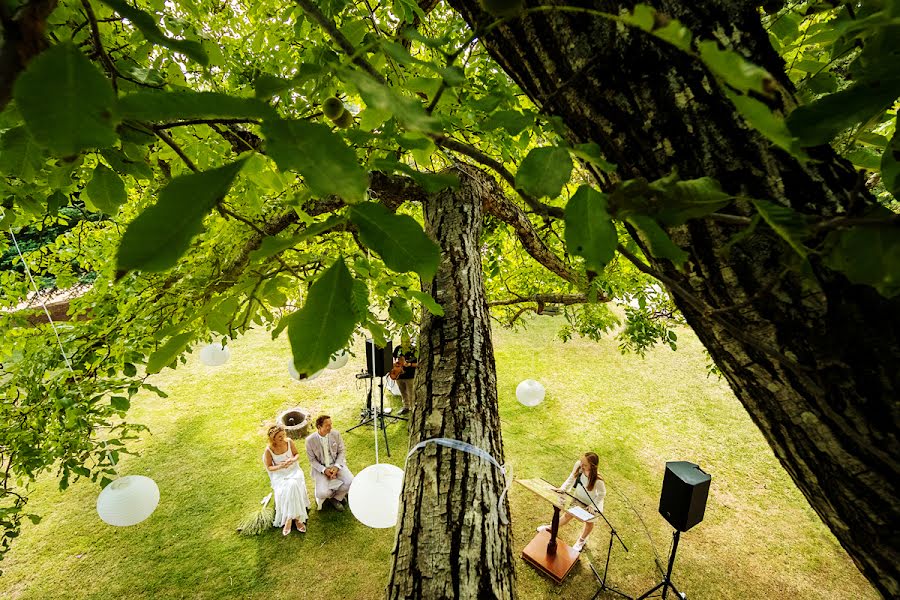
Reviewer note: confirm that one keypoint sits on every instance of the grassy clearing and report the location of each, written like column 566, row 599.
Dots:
column 759, row 538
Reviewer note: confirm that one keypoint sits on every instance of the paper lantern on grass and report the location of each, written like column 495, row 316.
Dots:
column 214, row 355
column 338, row 360
column 530, row 392
column 128, row 500
column 375, row 495
column 296, row 374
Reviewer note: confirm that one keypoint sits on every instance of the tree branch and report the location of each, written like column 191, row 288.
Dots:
column 207, row 122
column 174, row 146
column 23, row 39
column 339, row 38
column 497, row 205
column 482, row 158
column 564, row 299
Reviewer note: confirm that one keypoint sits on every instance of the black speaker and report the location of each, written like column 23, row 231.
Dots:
column 684, row 492
column 379, row 360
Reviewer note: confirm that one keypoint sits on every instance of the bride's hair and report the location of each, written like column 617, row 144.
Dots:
column 273, row 431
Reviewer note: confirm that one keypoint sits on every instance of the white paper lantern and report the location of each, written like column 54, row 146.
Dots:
column 375, row 495
column 530, row 392
column 296, row 374
column 339, row 360
column 128, row 500
column 214, row 355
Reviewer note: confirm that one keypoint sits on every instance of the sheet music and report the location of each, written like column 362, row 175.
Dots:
column 580, row 514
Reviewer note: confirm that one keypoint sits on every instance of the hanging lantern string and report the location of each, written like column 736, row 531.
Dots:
column 37, row 294
column 62, row 350
column 506, row 470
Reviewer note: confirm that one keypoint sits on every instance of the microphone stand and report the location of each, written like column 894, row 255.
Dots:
column 612, row 536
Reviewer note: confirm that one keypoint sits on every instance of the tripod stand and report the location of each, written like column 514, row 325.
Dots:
column 612, row 536
column 666, row 583
column 376, row 415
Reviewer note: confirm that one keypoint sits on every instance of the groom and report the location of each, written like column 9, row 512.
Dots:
column 325, row 450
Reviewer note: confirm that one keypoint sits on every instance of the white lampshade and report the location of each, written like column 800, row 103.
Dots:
column 296, row 375
column 338, row 360
column 128, row 500
column 530, row 392
column 214, row 355
column 375, row 495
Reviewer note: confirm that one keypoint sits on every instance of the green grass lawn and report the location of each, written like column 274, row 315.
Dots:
column 759, row 539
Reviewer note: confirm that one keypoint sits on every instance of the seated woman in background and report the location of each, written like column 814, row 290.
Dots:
column 589, row 483
column 288, row 482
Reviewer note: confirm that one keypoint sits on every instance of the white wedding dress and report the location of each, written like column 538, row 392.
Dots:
column 289, row 486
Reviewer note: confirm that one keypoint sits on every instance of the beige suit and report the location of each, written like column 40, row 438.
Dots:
column 317, row 465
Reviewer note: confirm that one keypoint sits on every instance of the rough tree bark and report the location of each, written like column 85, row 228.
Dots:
column 450, row 541
column 815, row 366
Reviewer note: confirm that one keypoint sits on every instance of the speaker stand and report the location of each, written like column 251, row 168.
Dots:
column 376, row 415
column 666, row 583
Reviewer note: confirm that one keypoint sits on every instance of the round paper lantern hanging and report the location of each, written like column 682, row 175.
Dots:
column 530, row 392
column 128, row 500
column 214, row 355
column 338, row 360
column 375, row 495
column 296, row 374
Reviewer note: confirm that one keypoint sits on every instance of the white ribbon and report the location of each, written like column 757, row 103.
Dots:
column 467, row 447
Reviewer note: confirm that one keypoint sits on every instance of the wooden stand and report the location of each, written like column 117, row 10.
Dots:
column 556, row 565
column 549, row 555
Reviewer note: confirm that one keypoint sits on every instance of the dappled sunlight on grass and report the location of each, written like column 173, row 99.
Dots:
column 759, row 537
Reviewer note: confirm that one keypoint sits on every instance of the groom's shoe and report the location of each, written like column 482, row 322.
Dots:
column 336, row 504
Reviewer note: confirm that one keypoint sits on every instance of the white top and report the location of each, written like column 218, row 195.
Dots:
column 326, row 451
column 598, row 494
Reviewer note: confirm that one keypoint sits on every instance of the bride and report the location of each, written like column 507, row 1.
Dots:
column 288, row 483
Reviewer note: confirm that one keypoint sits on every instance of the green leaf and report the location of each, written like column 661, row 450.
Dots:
column 138, row 169
column 762, row 119
column 786, row 222
column 147, row 25
column 430, row 182
column 120, row 403
column 590, row 232
column 397, row 239
column 544, row 171
column 513, row 121
column 890, row 163
column 67, row 103
column 327, row 164
column 818, row 122
column 35, row 519
column 734, row 69
column 20, row 156
column 168, row 352
column 272, row 245
column 681, row 200
column 129, row 370
column 400, row 311
column 360, row 299
column 171, row 106
column 106, row 190
column 428, row 302
column 659, row 242
column 160, row 235
column 410, row 113
column 867, row 255
column 324, row 324
column 592, row 154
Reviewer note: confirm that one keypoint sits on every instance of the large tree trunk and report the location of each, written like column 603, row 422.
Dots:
column 451, row 542
column 818, row 368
